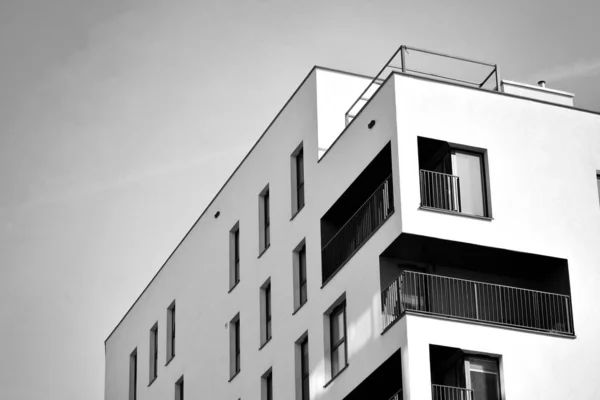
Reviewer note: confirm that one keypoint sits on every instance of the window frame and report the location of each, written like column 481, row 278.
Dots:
column 153, row 370
column 300, row 275
column 234, row 256
column 235, row 364
column 179, row 389
column 298, row 179
column 342, row 341
column 171, row 322
column 304, row 370
column 264, row 223
column 598, row 183
column 267, row 385
column 133, row 372
column 472, row 358
column 266, row 325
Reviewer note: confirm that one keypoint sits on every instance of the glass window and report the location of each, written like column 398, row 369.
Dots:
column 483, row 378
column 300, row 179
column 302, row 274
column 304, row 369
column 133, row 375
column 268, row 312
column 171, row 332
column 338, row 339
column 153, row 352
column 469, row 169
column 267, row 232
column 598, row 181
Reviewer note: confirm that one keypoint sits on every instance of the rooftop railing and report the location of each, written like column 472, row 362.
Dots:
column 399, row 62
column 359, row 228
column 442, row 392
column 476, row 301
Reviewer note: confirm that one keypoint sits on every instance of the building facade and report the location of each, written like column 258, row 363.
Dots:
column 430, row 240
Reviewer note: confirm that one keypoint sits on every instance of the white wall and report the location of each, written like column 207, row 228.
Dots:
column 542, row 163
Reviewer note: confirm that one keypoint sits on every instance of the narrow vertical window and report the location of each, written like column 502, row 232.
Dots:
column 234, row 256
column 133, row 375
column 338, row 339
column 598, row 182
column 264, row 220
column 265, row 314
column 304, row 374
column 171, row 332
column 267, row 385
column 234, row 346
column 297, row 163
column 153, row 352
column 179, row 389
column 299, row 275
column 302, row 274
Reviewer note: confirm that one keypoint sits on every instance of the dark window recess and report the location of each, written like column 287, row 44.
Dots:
column 300, row 179
column 268, row 386
column 456, row 374
column 267, row 222
column 267, row 312
column 133, row 375
column 171, row 332
column 357, row 214
column 302, row 275
column 452, row 178
column 236, row 256
column 304, row 371
column 153, row 352
column 179, row 389
column 236, row 327
column 337, row 321
column 598, row 182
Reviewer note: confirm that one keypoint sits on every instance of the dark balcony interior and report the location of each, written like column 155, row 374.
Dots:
column 357, row 214
column 383, row 384
column 465, row 281
column 453, row 178
column 463, row 375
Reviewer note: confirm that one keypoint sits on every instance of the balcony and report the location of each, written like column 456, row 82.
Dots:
column 442, row 392
column 397, row 395
column 428, row 294
column 440, row 191
column 358, row 228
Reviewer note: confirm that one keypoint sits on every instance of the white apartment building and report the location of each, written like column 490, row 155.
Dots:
column 413, row 236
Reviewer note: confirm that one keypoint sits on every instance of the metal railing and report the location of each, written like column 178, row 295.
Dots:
column 441, row 392
column 397, row 395
column 403, row 52
column 441, row 191
column 359, row 228
column 470, row 300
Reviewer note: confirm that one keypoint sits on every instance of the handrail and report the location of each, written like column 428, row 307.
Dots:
column 358, row 210
column 440, row 190
column 443, row 392
column 358, row 228
column 474, row 300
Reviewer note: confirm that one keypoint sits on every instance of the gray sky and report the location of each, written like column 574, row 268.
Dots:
column 119, row 121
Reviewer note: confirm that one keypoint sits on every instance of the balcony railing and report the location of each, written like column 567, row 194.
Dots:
column 397, row 395
column 441, row 191
column 470, row 300
column 441, row 392
column 359, row 228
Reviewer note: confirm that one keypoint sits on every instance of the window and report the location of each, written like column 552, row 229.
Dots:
column 171, row 332
column 337, row 330
column 598, row 182
column 154, row 352
column 297, row 180
column 302, row 371
column 133, row 375
column 300, row 280
column 179, row 389
column 453, row 177
column 234, row 346
column 482, row 375
column 265, row 314
column 265, row 220
column 234, row 256
column 267, row 385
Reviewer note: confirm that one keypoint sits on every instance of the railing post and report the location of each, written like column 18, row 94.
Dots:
column 476, row 303
column 400, row 302
column 403, row 57
column 497, row 79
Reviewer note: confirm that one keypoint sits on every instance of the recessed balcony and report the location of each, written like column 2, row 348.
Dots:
column 428, row 294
